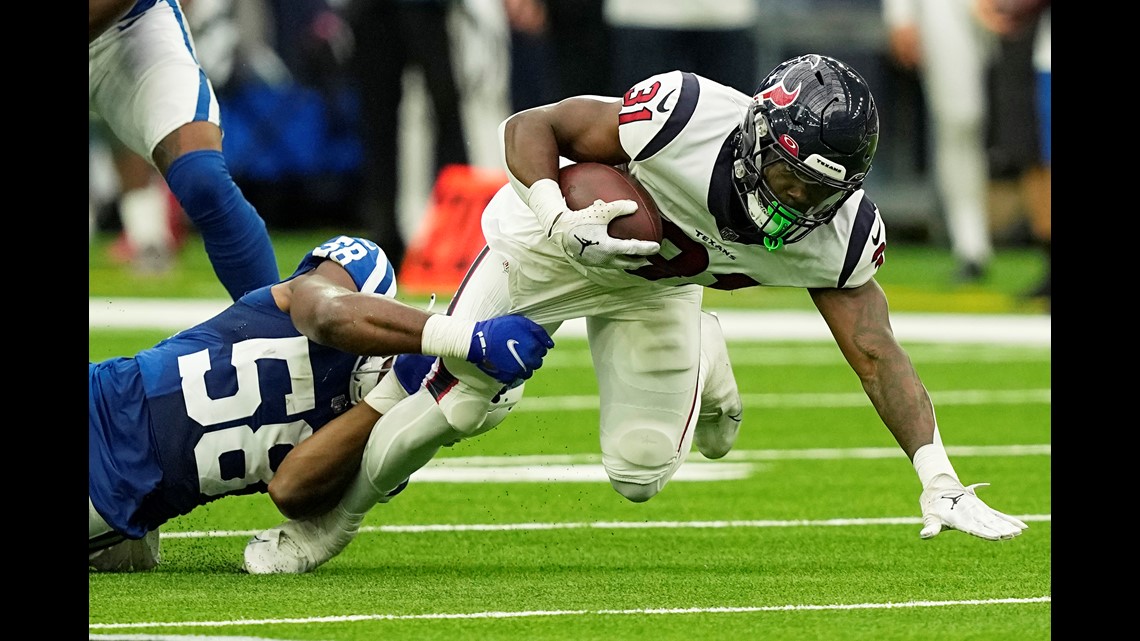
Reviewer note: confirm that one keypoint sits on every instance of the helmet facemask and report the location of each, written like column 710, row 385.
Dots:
column 366, row 374
column 761, row 153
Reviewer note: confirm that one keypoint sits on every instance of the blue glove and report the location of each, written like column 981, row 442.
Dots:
column 411, row 369
column 509, row 348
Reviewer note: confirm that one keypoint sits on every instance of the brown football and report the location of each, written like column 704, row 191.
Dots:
column 585, row 182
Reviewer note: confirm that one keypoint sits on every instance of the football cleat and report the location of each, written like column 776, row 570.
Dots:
column 131, row 555
column 366, row 374
column 718, row 423
column 298, row 546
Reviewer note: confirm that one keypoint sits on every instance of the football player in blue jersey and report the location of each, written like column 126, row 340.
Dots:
column 145, row 82
column 213, row 410
column 753, row 190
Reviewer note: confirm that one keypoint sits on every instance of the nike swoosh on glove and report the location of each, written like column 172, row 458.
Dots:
column 959, row 508
column 509, row 348
column 584, row 236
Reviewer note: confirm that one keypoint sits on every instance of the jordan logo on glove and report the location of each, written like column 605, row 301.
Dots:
column 585, row 243
column 954, row 500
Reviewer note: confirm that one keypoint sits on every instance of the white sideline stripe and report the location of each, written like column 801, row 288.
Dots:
column 573, row 473
column 828, row 355
column 818, row 453
column 176, row 314
column 587, row 468
column 814, row 399
column 553, row 613
column 172, row 637
column 600, row 525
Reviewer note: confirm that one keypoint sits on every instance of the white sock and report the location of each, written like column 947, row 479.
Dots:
column 404, row 440
column 144, row 215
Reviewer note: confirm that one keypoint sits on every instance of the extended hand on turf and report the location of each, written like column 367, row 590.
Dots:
column 954, row 507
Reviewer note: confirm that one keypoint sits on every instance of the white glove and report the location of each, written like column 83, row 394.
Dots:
column 583, row 234
column 948, row 505
column 953, row 507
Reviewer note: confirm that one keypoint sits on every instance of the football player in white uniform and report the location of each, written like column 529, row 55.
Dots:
column 145, row 82
column 753, row 190
column 260, row 398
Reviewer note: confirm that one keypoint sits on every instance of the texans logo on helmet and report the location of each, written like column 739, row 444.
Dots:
column 779, row 96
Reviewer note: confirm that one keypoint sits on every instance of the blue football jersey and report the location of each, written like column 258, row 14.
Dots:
column 212, row 410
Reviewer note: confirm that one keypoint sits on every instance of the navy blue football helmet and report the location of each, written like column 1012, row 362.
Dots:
column 805, row 145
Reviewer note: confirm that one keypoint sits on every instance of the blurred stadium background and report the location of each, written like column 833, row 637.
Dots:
column 291, row 113
column 813, row 536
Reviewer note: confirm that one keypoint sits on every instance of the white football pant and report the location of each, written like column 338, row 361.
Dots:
column 645, row 341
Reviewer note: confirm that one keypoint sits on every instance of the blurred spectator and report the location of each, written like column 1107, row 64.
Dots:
column 1023, row 72
column 570, row 37
column 945, row 45
column 580, row 37
column 392, row 36
column 1041, row 193
column 532, row 55
column 312, row 39
column 714, row 38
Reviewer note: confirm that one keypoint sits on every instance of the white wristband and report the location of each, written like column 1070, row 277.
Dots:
column 545, row 199
column 447, row 336
column 930, row 461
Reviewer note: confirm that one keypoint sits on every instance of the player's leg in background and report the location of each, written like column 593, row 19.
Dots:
column 234, row 234
column 954, row 51
column 722, row 411
column 647, row 361
column 1038, row 185
column 173, row 119
column 149, row 239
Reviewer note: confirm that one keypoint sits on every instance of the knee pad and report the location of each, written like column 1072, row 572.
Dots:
column 464, row 410
column 635, row 492
column 646, row 458
column 647, row 447
column 465, row 402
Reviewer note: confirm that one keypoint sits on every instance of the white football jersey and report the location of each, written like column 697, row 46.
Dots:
column 678, row 128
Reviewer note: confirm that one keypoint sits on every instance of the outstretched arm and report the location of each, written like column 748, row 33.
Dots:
column 860, row 323
column 327, row 308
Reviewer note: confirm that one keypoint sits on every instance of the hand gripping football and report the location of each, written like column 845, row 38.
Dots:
column 585, row 182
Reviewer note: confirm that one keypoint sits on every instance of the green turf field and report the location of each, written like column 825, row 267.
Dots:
column 807, row 530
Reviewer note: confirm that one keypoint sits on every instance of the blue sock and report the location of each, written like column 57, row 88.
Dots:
column 234, row 234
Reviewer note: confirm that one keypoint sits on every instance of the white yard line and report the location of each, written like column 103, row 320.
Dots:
column 173, row 315
column 793, row 607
